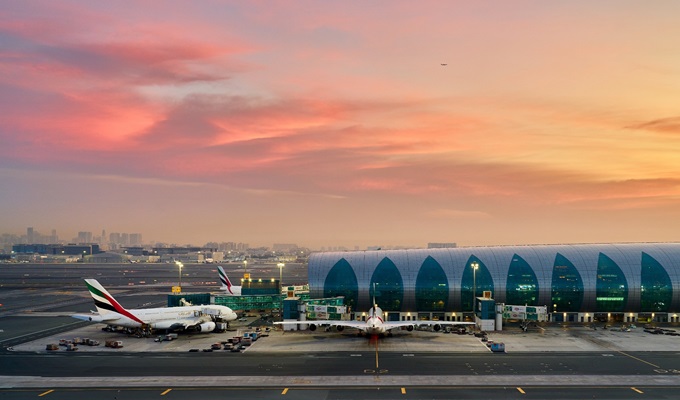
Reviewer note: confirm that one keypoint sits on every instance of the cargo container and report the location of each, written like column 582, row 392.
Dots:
column 498, row 347
column 114, row 344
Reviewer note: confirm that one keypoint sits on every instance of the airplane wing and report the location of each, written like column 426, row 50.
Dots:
column 443, row 323
column 410, row 325
column 345, row 324
column 95, row 317
column 389, row 325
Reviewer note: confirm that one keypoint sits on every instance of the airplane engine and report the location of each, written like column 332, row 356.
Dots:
column 312, row 327
column 206, row 327
column 409, row 328
column 436, row 327
column 339, row 328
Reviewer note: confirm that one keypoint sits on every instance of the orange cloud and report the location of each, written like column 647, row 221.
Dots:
column 664, row 125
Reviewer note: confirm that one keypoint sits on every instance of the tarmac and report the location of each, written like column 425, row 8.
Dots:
column 321, row 381
column 548, row 338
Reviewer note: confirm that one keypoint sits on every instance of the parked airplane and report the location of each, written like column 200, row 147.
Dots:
column 195, row 318
column 375, row 324
column 226, row 283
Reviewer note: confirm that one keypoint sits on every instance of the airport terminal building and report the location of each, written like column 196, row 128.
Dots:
column 635, row 282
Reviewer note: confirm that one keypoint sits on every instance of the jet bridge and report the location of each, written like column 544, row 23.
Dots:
column 527, row 315
column 489, row 316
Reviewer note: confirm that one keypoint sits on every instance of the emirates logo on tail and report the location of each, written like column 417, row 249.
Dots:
column 104, row 301
column 226, row 283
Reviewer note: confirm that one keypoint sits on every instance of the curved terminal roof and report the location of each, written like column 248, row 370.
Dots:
column 631, row 277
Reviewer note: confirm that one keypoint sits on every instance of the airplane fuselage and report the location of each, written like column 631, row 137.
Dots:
column 109, row 311
column 375, row 325
column 165, row 318
column 231, row 291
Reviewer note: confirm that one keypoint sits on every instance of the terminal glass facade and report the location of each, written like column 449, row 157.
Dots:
column 478, row 280
column 616, row 281
column 250, row 303
column 567, row 286
column 389, row 287
column 656, row 291
column 342, row 281
column 522, row 285
column 611, row 287
column 432, row 288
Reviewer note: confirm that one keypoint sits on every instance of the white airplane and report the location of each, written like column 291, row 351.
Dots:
column 375, row 324
column 195, row 318
column 226, row 283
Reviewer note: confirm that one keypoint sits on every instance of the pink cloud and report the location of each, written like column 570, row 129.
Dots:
column 329, row 118
column 62, row 91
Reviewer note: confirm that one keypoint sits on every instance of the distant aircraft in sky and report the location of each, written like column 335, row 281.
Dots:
column 193, row 318
column 444, row 65
column 226, row 283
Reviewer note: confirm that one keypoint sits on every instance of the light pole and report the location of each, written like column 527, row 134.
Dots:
column 474, row 266
column 180, row 265
column 280, row 265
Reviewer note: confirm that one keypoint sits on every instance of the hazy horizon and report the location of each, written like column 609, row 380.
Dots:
column 342, row 124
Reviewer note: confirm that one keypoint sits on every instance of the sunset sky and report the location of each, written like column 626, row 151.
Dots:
column 328, row 123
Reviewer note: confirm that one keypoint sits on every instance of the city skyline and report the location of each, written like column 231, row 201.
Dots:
column 124, row 240
column 342, row 124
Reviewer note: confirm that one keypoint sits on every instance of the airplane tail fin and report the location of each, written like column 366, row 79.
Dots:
column 374, row 304
column 105, row 303
column 226, row 283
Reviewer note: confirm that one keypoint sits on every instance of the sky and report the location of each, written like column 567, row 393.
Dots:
column 349, row 123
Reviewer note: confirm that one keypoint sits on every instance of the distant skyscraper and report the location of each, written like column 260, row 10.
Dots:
column 84, row 237
column 135, row 239
column 29, row 235
column 232, row 246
